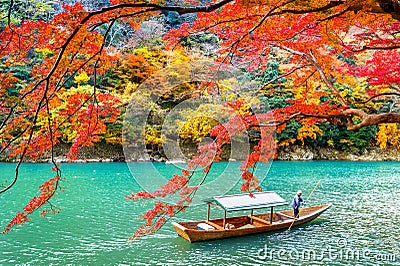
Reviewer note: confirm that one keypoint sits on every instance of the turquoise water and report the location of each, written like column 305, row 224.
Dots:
column 362, row 227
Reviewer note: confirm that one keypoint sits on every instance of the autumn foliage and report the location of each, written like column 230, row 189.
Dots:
column 47, row 190
column 339, row 59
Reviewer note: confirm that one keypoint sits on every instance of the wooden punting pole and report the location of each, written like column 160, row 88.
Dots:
column 208, row 210
column 272, row 215
column 223, row 225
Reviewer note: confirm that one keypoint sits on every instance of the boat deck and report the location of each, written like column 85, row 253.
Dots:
column 245, row 225
column 252, row 221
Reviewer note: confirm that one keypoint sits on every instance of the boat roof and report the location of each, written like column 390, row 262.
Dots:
column 246, row 202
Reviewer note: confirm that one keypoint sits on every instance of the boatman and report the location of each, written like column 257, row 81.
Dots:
column 296, row 203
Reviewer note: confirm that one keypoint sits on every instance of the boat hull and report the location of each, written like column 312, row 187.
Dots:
column 247, row 225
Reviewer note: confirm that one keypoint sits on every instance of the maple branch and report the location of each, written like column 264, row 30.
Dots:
column 10, row 6
column 23, row 153
column 5, row 148
column 311, row 58
column 395, row 87
column 58, row 83
column 179, row 9
column 62, row 51
column 95, row 70
column 75, row 111
column 49, row 123
column 335, row 15
column 193, row 193
column 229, row 21
column 388, row 7
column 381, row 94
column 7, row 118
column 326, row 80
column 237, row 42
column 282, row 76
column 331, row 4
column 55, row 65
column 279, row 123
column 307, row 78
column 367, row 47
column 318, row 22
column 366, row 119
column 9, row 24
column 9, row 142
column 96, row 103
column 93, row 27
column 370, row 119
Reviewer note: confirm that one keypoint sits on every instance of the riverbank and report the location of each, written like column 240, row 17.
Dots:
column 300, row 153
column 104, row 152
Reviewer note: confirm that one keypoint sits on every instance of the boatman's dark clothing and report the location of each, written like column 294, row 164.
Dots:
column 296, row 204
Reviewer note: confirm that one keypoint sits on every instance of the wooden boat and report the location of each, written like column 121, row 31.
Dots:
column 246, row 225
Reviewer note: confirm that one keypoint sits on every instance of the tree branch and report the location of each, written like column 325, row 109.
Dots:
column 282, row 76
column 180, row 10
column 368, row 47
column 311, row 58
column 389, row 7
column 370, row 119
column 380, row 95
column 315, row 10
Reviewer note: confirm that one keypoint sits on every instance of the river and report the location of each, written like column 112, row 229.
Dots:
column 362, row 227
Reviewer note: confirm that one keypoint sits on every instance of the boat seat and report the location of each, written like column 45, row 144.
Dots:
column 247, row 226
column 285, row 215
column 259, row 220
column 214, row 224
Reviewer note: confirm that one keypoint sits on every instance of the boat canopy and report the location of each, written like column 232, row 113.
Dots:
column 246, row 202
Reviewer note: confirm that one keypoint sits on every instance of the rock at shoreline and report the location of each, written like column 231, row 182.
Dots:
column 103, row 152
column 303, row 153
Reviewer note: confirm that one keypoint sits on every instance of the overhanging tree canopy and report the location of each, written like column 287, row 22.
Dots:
column 340, row 57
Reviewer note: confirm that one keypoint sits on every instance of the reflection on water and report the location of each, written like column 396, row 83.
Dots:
column 96, row 221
